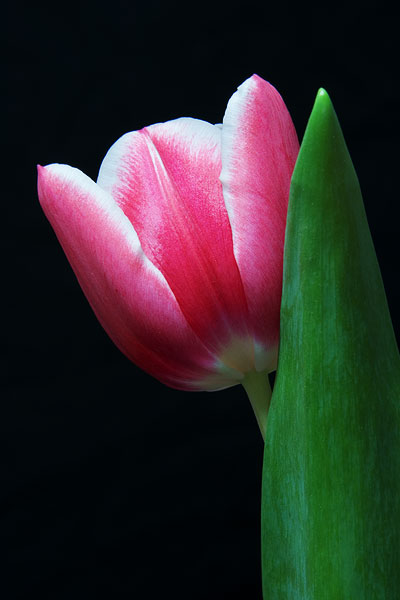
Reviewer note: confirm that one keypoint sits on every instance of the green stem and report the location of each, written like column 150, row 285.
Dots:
column 259, row 392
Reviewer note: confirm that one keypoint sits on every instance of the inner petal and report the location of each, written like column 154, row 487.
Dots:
column 166, row 180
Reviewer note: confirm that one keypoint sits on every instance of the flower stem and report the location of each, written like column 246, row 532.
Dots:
column 259, row 392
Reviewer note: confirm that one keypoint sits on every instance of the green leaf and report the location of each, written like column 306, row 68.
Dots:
column 331, row 475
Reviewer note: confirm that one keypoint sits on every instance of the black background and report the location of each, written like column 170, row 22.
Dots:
column 113, row 485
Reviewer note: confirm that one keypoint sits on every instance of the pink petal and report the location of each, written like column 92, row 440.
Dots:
column 166, row 180
column 129, row 295
column 259, row 150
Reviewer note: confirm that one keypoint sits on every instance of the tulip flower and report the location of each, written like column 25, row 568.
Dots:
column 178, row 247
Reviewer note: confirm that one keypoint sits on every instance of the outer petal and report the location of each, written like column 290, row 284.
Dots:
column 259, row 150
column 129, row 295
column 166, row 180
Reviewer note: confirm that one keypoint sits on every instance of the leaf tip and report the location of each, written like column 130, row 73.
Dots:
column 323, row 100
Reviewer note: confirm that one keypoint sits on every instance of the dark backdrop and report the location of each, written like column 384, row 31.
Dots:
column 113, row 485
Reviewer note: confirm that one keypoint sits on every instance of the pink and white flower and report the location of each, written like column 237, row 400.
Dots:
column 178, row 247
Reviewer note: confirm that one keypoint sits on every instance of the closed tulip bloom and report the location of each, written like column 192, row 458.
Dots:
column 178, row 247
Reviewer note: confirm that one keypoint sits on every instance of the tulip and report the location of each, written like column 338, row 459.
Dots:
column 178, row 247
